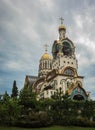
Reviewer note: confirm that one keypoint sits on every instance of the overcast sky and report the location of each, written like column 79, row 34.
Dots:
column 26, row 25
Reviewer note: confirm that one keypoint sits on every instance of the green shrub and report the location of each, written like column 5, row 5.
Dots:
column 36, row 120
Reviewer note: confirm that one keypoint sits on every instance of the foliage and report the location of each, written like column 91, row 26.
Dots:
column 26, row 111
column 6, row 96
column 71, row 112
column 27, row 98
column 34, row 119
column 10, row 111
column 14, row 90
column 33, row 112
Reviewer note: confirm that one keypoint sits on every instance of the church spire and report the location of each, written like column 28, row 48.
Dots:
column 62, row 29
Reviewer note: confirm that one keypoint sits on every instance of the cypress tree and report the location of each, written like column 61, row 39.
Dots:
column 14, row 90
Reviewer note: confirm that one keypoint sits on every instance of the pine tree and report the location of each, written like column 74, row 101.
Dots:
column 14, row 90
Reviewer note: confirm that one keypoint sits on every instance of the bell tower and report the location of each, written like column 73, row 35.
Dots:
column 63, row 51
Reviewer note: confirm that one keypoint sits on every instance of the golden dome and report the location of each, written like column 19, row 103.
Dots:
column 62, row 27
column 46, row 56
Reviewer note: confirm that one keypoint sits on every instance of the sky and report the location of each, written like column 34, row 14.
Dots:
column 27, row 25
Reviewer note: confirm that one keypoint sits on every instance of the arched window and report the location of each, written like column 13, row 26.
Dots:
column 67, row 48
column 45, row 64
column 55, row 49
column 50, row 66
column 69, row 72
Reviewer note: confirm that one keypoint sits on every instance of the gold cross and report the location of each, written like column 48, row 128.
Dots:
column 61, row 19
column 46, row 46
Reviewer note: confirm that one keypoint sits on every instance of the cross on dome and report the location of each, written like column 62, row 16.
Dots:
column 61, row 19
column 46, row 56
column 62, row 29
column 46, row 48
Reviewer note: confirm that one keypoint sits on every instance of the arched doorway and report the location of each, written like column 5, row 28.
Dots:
column 78, row 97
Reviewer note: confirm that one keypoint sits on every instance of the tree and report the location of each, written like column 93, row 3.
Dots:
column 88, row 109
column 10, row 111
column 6, row 96
column 14, row 90
column 27, row 98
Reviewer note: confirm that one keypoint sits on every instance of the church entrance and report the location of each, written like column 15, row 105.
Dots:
column 78, row 97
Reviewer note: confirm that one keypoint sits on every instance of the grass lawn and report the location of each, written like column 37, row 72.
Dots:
column 48, row 128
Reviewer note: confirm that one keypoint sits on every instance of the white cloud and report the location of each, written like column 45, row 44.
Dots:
column 78, row 21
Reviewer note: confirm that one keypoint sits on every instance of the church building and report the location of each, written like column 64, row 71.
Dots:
column 59, row 71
